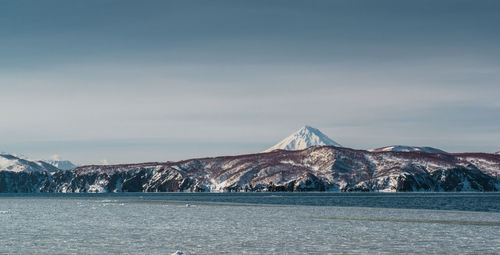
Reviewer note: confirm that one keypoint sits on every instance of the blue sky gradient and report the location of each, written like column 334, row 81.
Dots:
column 132, row 81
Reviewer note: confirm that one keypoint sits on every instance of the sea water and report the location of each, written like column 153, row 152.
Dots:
column 250, row 223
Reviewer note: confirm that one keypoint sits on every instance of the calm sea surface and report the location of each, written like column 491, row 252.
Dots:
column 250, row 223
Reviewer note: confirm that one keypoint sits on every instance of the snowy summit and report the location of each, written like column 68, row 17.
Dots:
column 302, row 139
column 14, row 163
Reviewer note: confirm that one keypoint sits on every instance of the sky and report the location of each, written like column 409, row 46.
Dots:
column 119, row 81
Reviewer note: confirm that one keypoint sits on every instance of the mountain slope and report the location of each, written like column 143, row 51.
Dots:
column 13, row 163
column 302, row 139
column 404, row 148
column 319, row 168
column 61, row 164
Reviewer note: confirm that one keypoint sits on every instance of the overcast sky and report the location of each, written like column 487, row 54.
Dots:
column 131, row 81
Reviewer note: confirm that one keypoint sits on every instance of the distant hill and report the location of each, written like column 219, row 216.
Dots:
column 62, row 164
column 405, row 148
column 13, row 163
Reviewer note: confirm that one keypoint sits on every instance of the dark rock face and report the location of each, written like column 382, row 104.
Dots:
column 314, row 169
column 464, row 179
column 24, row 182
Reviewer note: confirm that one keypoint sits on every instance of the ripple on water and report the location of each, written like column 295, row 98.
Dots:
column 156, row 224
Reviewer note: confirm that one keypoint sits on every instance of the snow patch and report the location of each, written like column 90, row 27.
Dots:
column 405, row 148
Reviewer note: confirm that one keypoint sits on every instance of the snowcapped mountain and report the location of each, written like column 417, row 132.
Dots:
column 12, row 163
column 498, row 152
column 318, row 168
column 62, row 164
column 302, row 139
column 404, row 148
column 305, row 161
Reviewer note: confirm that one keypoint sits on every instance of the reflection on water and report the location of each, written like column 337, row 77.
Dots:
column 453, row 222
column 484, row 202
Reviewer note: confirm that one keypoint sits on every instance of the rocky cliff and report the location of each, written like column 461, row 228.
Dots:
column 319, row 168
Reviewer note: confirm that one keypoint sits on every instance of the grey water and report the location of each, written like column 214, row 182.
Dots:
column 250, row 223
